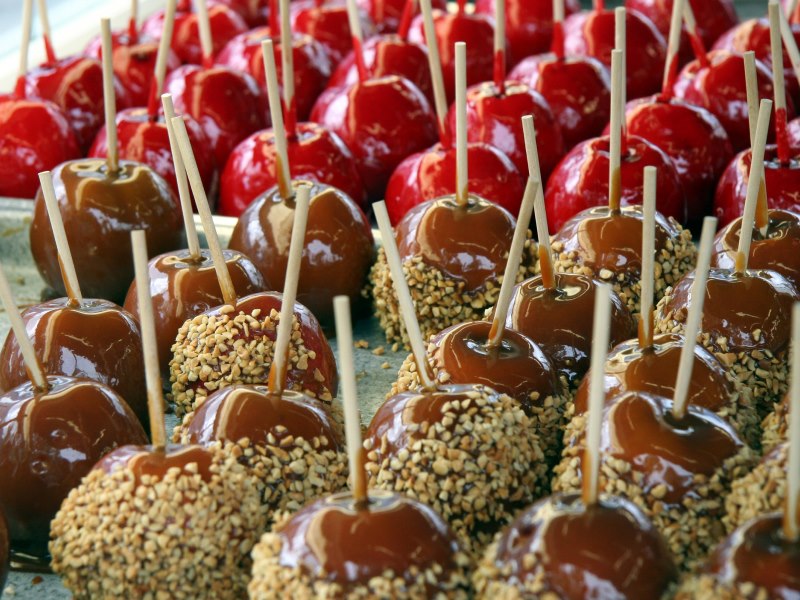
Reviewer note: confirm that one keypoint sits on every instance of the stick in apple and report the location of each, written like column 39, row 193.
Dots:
column 435, row 64
column 47, row 37
column 160, row 70
column 751, row 84
column 791, row 511
column 648, row 257
column 778, row 83
column 206, row 40
column 615, row 143
column 287, row 65
column 557, row 46
column 462, row 162
column 673, row 48
column 695, row 40
column 500, row 45
column 542, row 231
column 109, row 98
column 358, row 39
column 278, row 129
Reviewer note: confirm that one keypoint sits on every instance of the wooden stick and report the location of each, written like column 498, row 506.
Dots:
column 792, row 7
column 278, row 130
column 621, row 43
column 192, row 241
column 358, row 39
column 287, row 64
column 32, row 364
column 694, row 35
column 673, row 48
column 352, row 420
column 462, row 163
column 220, row 266
column 600, row 337
column 160, row 70
column 615, row 143
column 791, row 44
column 751, row 83
column 512, row 264
column 648, row 258
column 62, row 245
column 435, row 65
column 500, row 45
column 27, row 19
column 680, row 398
column 152, row 370
column 778, row 83
column 277, row 373
column 753, row 186
column 403, row 295
column 542, row 232
column 557, row 46
column 47, row 37
column 204, row 25
column 109, row 98
column 133, row 23
column 791, row 521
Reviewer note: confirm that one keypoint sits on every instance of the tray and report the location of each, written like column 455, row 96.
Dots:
column 27, row 285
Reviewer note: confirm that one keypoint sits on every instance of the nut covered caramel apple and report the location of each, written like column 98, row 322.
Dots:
column 395, row 547
column 677, row 470
column 91, row 339
column 453, row 257
column 291, row 446
column 606, row 244
column 478, row 452
column 339, row 247
column 756, row 561
column 50, row 439
column 561, row 547
column 517, row 368
column 559, row 321
column 194, row 512
column 775, row 426
column 100, row 209
column 632, row 368
column 228, row 345
column 182, row 287
column 745, row 324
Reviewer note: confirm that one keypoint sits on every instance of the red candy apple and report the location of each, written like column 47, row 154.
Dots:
column 592, row 34
column 388, row 14
column 714, row 17
column 580, row 181
column 254, row 12
column 327, row 23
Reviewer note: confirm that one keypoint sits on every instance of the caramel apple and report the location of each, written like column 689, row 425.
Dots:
column 395, row 546
column 99, row 208
column 676, row 469
column 775, row 426
column 605, row 244
column 563, row 547
column 50, row 439
column 756, row 560
column 182, row 286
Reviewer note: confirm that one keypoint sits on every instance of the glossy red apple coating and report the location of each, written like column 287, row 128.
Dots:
column 254, row 12
column 27, row 149
column 692, row 137
column 432, row 174
column 518, row 367
column 337, row 541
column 559, row 321
column 225, row 25
column 591, row 33
column 468, row 243
column 387, row 14
column 759, row 554
column 529, row 24
column 339, row 248
column 778, row 251
column 228, row 104
column 639, row 428
column 4, row 550
column 48, row 442
column 388, row 55
column 782, row 185
column 475, row 30
column 720, row 88
column 246, row 411
column 181, row 288
column 382, row 121
column 312, row 67
column 714, row 17
column 315, row 153
column 577, row 88
column 99, row 212
column 155, row 462
column 134, row 63
column 580, row 181
column 75, row 85
column 95, row 340
column 326, row 22
column 606, row 239
column 606, row 550
column 736, row 306
column 631, row 368
column 141, row 139
column 496, row 119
